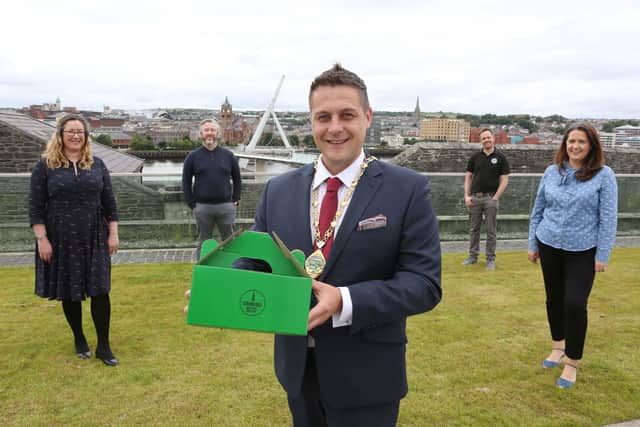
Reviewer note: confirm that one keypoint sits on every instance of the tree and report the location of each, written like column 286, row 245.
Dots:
column 141, row 143
column 308, row 141
column 555, row 118
column 607, row 127
column 527, row 124
column 610, row 126
column 104, row 139
column 183, row 144
column 270, row 140
column 473, row 120
column 294, row 140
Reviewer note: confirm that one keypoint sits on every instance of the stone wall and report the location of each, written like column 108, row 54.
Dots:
column 453, row 157
column 18, row 152
column 136, row 203
column 150, row 216
column 14, row 204
column 155, row 215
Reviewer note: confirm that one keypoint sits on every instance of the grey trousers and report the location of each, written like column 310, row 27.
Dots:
column 489, row 208
column 207, row 215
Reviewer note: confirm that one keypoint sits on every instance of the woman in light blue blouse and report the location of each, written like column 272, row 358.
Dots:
column 572, row 231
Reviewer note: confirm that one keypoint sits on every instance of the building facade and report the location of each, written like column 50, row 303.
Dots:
column 608, row 139
column 373, row 136
column 445, row 130
column 234, row 128
column 627, row 136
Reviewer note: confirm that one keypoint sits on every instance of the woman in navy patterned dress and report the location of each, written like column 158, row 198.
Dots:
column 572, row 231
column 73, row 214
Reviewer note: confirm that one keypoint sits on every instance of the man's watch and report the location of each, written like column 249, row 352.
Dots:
column 40, row 236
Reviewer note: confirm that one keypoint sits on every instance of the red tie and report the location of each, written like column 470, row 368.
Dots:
column 328, row 211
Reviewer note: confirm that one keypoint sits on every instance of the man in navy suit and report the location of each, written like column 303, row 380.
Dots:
column 383, row 265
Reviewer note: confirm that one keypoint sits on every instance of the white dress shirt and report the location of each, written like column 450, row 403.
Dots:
column 347, row 176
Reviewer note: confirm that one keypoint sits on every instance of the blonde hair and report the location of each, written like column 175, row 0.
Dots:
column 54, row 154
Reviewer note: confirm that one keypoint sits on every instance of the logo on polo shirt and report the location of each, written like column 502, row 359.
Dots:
column 252, row 302
column 494, row 160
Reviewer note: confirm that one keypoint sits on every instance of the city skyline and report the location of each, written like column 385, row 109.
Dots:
column 569, row 58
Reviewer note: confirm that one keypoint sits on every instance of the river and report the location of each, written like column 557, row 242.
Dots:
column 170, row 168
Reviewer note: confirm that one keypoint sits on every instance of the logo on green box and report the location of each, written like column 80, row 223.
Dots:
column 252, row 302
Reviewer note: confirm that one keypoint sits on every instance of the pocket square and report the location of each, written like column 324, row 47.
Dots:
column 378, row 221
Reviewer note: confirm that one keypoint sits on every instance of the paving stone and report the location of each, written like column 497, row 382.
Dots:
column 148, row 256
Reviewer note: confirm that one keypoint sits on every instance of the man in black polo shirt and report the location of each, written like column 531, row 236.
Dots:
column 486, row 179
column 212, row 196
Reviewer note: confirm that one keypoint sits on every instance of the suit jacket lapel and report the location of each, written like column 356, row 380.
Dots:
column 365, row 191
column 299, row 216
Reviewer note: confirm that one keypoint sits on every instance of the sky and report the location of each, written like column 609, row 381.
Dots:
column 575, row 58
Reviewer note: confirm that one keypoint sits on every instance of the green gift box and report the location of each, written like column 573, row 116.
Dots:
column 222, row 296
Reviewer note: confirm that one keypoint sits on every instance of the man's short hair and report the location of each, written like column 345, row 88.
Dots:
column 339, row 76
column 485, row 130
column 215, row 123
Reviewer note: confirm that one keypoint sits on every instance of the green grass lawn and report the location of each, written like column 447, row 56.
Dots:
column 475, row 360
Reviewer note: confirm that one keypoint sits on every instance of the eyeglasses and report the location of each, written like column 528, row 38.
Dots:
column 71, row 132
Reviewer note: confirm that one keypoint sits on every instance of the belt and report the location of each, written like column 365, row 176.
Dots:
column 480, row 194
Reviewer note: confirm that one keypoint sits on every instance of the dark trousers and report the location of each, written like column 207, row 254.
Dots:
column 309, row 410
column 209, row 215
column 568, row 279
column 488, row 207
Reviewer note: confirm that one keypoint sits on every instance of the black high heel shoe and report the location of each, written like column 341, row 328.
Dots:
column 82, row 350
column 108, row 359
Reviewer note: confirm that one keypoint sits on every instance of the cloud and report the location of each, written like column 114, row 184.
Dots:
column 571, row 58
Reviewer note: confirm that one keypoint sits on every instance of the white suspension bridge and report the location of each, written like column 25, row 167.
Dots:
column 289, row 155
